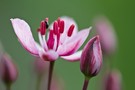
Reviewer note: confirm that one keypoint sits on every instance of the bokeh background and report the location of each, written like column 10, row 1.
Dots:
column 120, row 12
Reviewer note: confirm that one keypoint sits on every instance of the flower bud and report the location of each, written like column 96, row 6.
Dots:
column 91, row 58
column 8, row 70
column 107, row 35
column 113, row 81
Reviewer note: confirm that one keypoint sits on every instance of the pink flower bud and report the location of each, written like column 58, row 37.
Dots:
column 91, row 58
column 107, row 35
column 113, row 81
column 8, row 70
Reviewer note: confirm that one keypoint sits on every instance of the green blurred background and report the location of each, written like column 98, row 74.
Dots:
column 120, row 12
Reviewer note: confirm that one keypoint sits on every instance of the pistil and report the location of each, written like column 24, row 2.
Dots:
column 50, row 42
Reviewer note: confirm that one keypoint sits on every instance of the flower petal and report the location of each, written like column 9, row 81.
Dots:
column 74, row 57
column 23, row 32
column 50, row 55
column 74, row 43
column 68, row 22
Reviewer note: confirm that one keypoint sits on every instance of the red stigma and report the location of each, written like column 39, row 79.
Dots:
column 50, row 42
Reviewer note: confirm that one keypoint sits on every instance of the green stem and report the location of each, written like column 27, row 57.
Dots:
column 50, row 74
column 8, row 86
column 86, row 82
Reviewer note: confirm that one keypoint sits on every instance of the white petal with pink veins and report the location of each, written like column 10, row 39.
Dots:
column 74, row 57
column 68, row 22
column 23, row 32
column 74, row 43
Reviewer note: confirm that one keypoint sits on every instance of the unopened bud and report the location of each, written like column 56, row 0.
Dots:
column 113, row 81
column 8, row 70
column 91, row 58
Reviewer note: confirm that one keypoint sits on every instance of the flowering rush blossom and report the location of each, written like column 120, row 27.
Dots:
column 107, row 34
column 62, row 38
column 91, row 58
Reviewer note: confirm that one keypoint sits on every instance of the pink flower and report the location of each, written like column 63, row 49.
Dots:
column 91, row 58
column 107, row 35
column 8, row 69
column 62, row 39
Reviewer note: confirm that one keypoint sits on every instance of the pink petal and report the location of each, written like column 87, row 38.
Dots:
column 74, row 43
column 68, row 22
column 74, row 57
column 23, row 32
column 50, row 55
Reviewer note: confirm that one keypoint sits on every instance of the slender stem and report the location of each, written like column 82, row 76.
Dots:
column 50, row 74
column 8, row 86
column 86, row 82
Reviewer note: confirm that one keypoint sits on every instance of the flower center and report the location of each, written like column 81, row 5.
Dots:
column 54, row 33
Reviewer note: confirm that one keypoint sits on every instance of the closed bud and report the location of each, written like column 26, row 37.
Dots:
column 8, row 70
column 107, row 35
column 91, row 58
column 113, row 81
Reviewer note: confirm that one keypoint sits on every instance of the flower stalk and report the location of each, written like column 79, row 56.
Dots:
column 86, row 82
column 8, row 86
column 50, row 74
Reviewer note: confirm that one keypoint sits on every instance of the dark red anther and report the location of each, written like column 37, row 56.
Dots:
column 55, row 27
column 50, row 42
column 42, row 28
column 61, row 26
column 70, row 30
column 46, row 23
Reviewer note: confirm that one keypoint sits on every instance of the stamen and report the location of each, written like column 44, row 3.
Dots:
column 61, row 26
column 46, row 23
column 55, row 27
column 70, row 30
column 50, row 41
column 58, row 40
column 58, row 20
column 43, row 28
